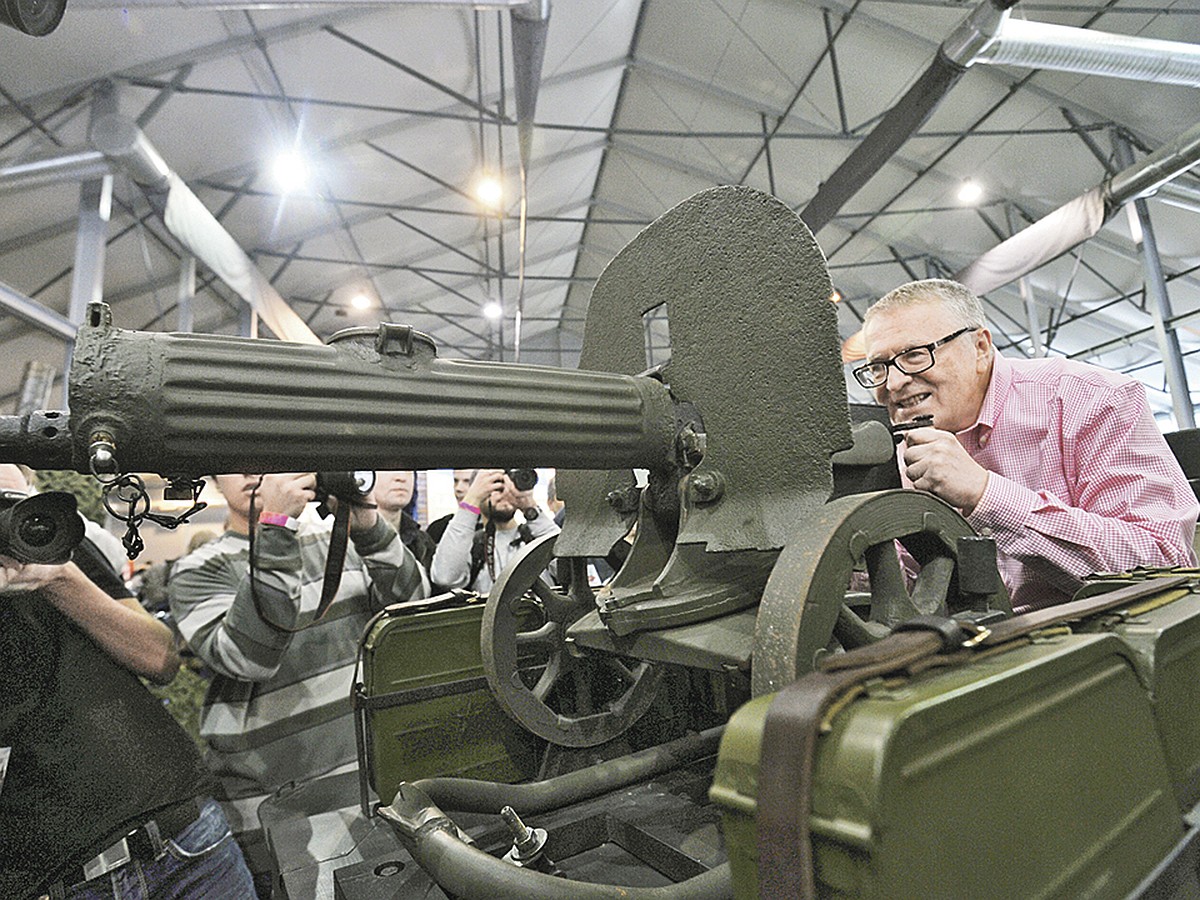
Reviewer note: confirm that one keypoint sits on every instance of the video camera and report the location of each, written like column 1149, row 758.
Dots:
column 44, row 528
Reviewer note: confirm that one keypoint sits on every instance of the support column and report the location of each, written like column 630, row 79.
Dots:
column 91, row 238
column 1158, row 301
column 187, row 294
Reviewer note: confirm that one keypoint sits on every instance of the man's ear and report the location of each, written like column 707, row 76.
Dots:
column 984, row 350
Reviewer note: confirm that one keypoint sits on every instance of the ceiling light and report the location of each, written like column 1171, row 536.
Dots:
column 493, row 310
column 489, row 191
column 360, row 301
column 969, row 191
column 836, row 296
column 290, row 171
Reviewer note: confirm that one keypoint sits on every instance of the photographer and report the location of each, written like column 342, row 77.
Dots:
column 101, row 785
column 474, row 559
column 277, row 710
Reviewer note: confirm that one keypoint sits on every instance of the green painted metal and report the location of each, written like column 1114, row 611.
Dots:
column 464, row 734
column 570, row 699
column 1165, row 643
column 375, row 398
column 1036, row 772
column 754, row 346
column 807, row 587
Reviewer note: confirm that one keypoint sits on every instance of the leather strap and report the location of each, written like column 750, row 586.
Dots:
column 335, row 560
column 793, row 722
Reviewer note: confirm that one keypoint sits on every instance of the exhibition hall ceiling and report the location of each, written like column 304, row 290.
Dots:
column 398, row 109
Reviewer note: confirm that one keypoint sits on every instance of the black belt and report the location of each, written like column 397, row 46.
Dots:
column 143, row 843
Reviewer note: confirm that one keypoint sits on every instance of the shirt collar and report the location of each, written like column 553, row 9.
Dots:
column 993, row 399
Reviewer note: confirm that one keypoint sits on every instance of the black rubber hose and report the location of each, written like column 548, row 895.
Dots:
column 469, row 795
column 470, row 874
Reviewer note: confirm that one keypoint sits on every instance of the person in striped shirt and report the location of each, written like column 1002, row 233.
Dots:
column 1060, row 461
column 278, row 710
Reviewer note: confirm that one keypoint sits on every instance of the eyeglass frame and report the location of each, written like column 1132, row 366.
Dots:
column 889, row 363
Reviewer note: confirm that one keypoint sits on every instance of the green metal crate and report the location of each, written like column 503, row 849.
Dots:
column 426, row 706
column 1165, row 640
column 1037, row 772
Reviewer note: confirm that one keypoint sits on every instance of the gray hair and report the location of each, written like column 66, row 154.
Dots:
column 953, row 296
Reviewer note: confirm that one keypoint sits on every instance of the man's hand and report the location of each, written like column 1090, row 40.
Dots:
column 16, row 577
column 935, row 461
column 287, row 493
column 486, row 483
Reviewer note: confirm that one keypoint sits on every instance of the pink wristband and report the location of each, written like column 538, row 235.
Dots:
column 283, row 521
column 463, row 504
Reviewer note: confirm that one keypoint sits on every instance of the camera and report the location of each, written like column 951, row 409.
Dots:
column 522, row 479
column 348, row 487
column 44, row 528
column 34, row 17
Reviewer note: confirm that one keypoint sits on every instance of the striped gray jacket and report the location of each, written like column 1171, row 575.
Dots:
column 278, row 708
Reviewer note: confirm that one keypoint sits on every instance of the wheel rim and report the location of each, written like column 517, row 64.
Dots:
column 568, row 699
column 804, row 596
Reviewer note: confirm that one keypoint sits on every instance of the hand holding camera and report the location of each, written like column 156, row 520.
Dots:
column 287, row 492
column 487, row 483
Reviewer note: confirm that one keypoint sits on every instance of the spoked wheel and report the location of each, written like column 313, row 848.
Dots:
column 803, row 605
column 568, row 699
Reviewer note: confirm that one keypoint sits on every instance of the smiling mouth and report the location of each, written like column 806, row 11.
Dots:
column 913, row 401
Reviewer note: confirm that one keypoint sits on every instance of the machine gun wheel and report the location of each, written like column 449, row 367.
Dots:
column 568, row 698
column 804, row 603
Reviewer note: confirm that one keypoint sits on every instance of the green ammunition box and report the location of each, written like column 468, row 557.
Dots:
column 426, row 705
column 1034, row 772
column 1165, row 640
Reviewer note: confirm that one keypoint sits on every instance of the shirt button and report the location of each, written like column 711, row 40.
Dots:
column 983, row 439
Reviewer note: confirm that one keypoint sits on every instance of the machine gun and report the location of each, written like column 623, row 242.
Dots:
column 735, row 434
column 742, row 564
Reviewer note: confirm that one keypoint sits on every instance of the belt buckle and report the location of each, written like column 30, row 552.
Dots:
column 979, row 633
column 108, row 859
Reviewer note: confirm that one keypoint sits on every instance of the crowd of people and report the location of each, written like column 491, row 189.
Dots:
column 100, row 788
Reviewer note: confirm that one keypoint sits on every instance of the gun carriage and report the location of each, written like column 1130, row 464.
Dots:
column 746, row 550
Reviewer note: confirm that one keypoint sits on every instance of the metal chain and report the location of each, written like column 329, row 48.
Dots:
column 128, row 491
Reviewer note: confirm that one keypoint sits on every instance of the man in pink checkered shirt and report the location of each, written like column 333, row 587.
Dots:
column 1061, row 462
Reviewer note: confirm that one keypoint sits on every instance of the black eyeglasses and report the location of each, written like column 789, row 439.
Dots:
column 912, row 361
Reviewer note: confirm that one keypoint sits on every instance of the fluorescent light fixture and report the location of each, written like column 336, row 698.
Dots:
column 489, row 191
column 290, row 171
column 969, row 191
column 493, row 310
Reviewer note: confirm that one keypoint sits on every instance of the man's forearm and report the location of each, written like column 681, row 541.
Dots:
column 1069, row 543
column 394, row 573
column 124, row 630
column 451, row 565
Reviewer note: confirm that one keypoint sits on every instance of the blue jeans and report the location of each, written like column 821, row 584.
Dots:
column 202, row 862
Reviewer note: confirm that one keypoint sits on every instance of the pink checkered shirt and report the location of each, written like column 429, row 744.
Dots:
column 1080, row 479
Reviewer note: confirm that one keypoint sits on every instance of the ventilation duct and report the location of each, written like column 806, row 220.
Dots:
column 1079, row 219
column 991, row 36
column 1038, row 45
column 190, row 221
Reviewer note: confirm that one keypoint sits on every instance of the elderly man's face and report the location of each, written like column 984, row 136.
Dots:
column 393, row 490
column 953, row 390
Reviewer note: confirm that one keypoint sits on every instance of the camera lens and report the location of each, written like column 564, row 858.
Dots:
column 522, row 479
column 38, row 530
